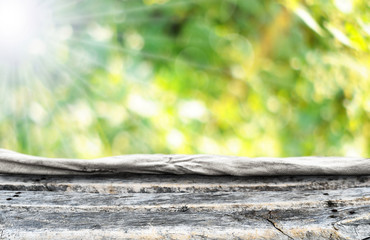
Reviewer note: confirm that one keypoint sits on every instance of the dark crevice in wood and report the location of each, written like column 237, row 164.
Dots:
column 275, row 225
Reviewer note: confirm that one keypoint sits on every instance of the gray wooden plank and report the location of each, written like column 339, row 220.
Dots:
column 16, row 163
column 171, row 183
column 175, row 233
column 184, row 207
column 311, row 224
column 335, row 214
column 195, row 201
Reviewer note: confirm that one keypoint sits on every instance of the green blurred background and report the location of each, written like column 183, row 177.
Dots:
column 247, row 77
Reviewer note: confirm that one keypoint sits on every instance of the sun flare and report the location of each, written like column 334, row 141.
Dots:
column 23, row 25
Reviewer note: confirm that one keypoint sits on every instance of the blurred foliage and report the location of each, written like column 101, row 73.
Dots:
column 247, row 77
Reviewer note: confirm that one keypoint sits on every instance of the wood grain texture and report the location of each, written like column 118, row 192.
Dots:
column 131, row 206
column 15, row 163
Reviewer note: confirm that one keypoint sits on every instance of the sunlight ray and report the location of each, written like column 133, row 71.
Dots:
column 65, row 6
column 150, row 55
column 44, row 100
column 76, row 55
column 44, row 69
column 102, row 134
column 27, row 99
column 47, row 3
column 4, row 93
column 91, row 16
column 65, row 147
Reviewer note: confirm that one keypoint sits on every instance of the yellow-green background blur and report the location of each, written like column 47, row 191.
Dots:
column 247, row 77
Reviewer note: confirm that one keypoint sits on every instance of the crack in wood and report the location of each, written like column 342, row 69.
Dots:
column 280, row 229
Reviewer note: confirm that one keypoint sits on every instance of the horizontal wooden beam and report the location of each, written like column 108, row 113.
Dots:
column 15, row 163
column 133, row 206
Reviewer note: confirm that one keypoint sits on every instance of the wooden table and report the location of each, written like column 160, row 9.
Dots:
column 184, row 207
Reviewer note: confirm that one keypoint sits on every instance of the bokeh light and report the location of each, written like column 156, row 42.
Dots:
column 255, row 78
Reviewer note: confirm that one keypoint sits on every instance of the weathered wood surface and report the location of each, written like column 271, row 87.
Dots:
column 16, row 163
column 184, row 207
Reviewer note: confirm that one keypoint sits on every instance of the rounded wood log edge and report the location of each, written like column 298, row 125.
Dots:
column 16, row 163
